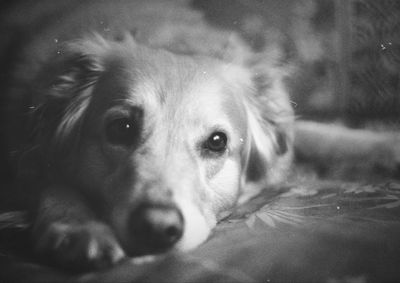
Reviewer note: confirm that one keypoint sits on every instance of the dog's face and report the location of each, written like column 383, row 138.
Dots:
column 162, row 144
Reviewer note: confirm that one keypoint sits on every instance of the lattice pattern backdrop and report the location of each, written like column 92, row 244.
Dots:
column 374, row 69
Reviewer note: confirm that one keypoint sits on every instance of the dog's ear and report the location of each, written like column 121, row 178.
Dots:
column 65, row 85
column 270, row 127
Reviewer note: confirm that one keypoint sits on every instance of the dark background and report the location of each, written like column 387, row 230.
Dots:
column 346, row 53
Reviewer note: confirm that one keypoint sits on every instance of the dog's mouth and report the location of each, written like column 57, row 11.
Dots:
column 155, row 228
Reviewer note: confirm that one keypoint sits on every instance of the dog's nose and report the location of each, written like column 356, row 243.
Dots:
column 156, row 227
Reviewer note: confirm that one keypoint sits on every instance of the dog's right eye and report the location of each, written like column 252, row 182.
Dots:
column 122, row 131
column 216, row 142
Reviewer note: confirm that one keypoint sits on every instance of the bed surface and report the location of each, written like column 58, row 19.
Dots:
column 315, row 231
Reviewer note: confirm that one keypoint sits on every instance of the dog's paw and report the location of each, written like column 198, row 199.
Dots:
column 395, row 152
column 386, row 157
column 81, row 247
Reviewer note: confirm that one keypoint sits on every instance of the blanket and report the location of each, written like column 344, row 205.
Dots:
column 310, row 231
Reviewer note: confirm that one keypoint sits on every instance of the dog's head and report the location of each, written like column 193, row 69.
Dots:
column 163, row 144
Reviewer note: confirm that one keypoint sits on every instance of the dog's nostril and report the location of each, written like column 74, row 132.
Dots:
column 164, row 224
column 172, row 232
column 157, row 227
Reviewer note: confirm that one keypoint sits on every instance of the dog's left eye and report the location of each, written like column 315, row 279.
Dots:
column 122, row 131
column 217, row 142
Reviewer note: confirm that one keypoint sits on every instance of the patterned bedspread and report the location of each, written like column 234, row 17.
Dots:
column 305, row 232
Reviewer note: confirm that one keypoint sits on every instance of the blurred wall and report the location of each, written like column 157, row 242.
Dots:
column 346, row 53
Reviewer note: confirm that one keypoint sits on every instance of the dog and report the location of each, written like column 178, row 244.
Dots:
column 150, row 127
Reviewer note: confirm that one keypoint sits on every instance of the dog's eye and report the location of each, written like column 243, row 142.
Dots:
column 122, row 131
column 217, row 142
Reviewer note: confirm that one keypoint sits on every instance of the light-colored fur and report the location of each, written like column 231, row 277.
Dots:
column 184, row 99
column 352, row 154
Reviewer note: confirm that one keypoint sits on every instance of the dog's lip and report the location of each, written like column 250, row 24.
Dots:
column 148, row 250
column 223, row 215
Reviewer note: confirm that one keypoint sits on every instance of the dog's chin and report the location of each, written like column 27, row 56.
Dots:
column 198, row 226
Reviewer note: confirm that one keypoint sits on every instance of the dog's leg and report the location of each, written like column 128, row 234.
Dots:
column 347, row 152
column 67, row 231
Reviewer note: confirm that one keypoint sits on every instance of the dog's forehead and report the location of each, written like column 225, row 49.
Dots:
column 198, row 99
column 180, row 89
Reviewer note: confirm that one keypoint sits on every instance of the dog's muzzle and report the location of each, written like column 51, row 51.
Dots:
column 156, row 228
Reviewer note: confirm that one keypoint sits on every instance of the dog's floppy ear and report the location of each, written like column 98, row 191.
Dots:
column 65, row 85
column 270, row 133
